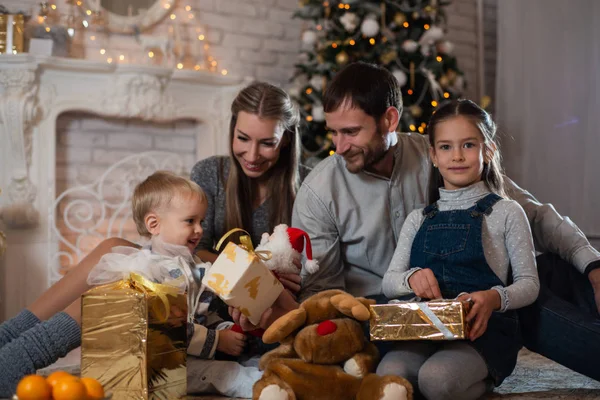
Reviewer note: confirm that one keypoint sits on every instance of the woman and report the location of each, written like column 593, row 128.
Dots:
column 265, row 152
column 258, row 181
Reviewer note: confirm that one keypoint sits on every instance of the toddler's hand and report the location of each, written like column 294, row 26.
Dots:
column 424, row 284
column 231, row 342
column 484, row 303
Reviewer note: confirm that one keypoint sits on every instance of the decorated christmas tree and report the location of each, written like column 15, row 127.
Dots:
column 405, row 36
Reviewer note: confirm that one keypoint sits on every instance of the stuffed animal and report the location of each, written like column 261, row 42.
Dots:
column 323, row 354
column 286, row 245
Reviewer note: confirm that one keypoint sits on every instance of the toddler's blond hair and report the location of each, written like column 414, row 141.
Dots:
column 156, row 192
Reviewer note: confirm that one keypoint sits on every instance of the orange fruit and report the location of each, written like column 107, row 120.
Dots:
column 34, row 387
column 94, row 389
column 69, row 389
column 56, row 376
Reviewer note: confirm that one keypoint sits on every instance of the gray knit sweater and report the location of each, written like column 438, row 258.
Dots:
column 507, row 245
column 211, row 174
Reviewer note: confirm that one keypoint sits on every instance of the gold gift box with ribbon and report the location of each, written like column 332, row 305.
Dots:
column 434, row 320
column 241, row 279
column 131, row 341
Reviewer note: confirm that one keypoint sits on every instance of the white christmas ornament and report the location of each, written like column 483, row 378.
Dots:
column 309, row 38
column 400, row 76
column 317, row 82
column 410, row 46
column 432, row 35
column 369, row 27
column 349, row 21
column 318, row 113
column 445, row 47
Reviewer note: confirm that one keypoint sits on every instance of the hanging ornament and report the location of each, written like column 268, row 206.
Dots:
column 445, row 47
column 369, row 27
column 309, row 38
column 388, row 57
column 444, row 81
column 416, row 111
column 410, row 46
column 400, row 76
column 318, row 113
column 432, row 35
column 341, row 58
column 316, row 82
column 349, row 21
column 412, row 75
column 399, row 18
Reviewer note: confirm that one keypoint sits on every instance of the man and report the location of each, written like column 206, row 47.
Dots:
column 354, row 203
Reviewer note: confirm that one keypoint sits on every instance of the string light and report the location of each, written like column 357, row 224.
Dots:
column 213, row 63
column 352, row 42
column 167, row 6
column 308, row 90
column 309, row 118
column 151, row 54
column 439, row 59
column 410, row 91
column 223, row 72
column 188, row 8
column 121, row 57
column 341, row 6
column 334, row 45
column 434, row 103
column 109, row 60
column 412, row 127
column 197, row 67
column 372, row 41
column 88, row 12
column 347, row 6
column 179, row 66
column 406, row 24
column 92, row 38
column 421, row 130
column 102, row 51
column 173, row 16
column 426, row 26
column 319, row 27
column 47, row 29
column 446, row 95
column 331, row 152
column 200, row 37
column 53, row 6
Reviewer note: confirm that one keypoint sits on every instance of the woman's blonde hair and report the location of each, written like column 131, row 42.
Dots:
column 156, row 192
column 268, row 102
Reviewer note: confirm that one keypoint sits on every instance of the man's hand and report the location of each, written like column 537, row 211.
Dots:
column 594, row 277
column 424, row 284
column 231, row 342
column 291, row 282
column 484, row 303
column 284, row 303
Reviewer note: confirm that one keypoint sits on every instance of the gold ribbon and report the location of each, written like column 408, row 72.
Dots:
column 159, row 289
column 246, row 244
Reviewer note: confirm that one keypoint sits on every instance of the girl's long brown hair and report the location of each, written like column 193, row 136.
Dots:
column 268, row 102
column 492, row 173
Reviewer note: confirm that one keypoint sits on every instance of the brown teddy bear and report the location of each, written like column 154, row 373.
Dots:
column 323, row 354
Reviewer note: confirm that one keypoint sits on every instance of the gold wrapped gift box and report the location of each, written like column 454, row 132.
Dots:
column 434, row 320
column 130, row 345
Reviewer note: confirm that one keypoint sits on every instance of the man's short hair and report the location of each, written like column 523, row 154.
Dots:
column 369, row 87
column 156, row 192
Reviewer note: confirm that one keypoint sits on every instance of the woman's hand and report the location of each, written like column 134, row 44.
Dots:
column 291, row 282
column 484, row 303
column 425, row 285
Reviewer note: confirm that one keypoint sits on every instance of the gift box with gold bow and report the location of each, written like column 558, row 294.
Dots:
column 242, row 280
column 134, row 338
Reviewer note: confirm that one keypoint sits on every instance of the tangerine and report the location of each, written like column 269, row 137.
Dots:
column 34, row 387
column 69, row 389
column 94, row 389
column 56, row 376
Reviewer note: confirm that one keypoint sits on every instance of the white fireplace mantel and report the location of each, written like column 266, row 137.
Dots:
column 34, row 92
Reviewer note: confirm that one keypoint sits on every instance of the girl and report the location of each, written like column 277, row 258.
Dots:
column 473, row 241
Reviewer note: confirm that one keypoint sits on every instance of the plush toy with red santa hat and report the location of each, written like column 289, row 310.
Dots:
column 286, row 245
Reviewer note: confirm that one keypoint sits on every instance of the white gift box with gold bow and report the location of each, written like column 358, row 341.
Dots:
column 242, row 280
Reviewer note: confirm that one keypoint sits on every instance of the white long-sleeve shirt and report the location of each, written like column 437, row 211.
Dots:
column 507, row 245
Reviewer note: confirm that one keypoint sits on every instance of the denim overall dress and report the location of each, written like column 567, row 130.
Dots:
column 449, row 243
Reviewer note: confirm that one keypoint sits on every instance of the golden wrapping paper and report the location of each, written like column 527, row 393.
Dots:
column 434, row 320
column 12, row 33
column 127, row 344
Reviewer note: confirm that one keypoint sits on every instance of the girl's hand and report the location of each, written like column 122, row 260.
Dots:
column 484, row 303
column 424, row 284
column 231, row 342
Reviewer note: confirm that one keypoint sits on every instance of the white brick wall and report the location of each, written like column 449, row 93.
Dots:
column 87, row 145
